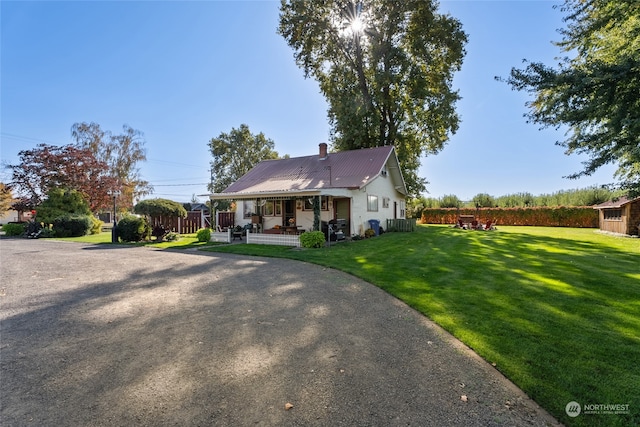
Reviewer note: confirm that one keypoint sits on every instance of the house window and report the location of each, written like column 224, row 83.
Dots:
column 272, row 208
column 403, row 209
column 247, row 208
column 613, row 214
column 324, row 203
column 385, row 202
column 372, row 203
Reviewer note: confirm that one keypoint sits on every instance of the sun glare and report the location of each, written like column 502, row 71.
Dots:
column 356, row 26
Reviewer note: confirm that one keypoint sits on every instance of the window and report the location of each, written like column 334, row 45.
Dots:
column 247, row 208
column 385, row 202
column 267, row 210
column 324, row 203
column 613, row 214
column 372, row 203
column 272, row 208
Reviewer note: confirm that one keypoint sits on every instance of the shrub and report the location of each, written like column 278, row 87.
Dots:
column 60, row 202
column 13, row 229
column 72, row 225
column 172, row 237
column 47, row 231
column 132, row 228
column 369, row 233
column 312, row 239
column 204, row 235
column 96, row 225
column 160, row 208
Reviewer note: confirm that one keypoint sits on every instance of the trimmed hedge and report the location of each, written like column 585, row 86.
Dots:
column 312, row 239
column 72, row 225
column 579, row 217
column 204, row 235
column 132, row 228
column 13, row 229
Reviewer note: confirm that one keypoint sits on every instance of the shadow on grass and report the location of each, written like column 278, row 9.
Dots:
column 560, row 317
column 557, row 311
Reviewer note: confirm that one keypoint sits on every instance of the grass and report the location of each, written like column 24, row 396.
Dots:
column 557, row 310
column 186, row 241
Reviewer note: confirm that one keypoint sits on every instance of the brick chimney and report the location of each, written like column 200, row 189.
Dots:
column 323, row 150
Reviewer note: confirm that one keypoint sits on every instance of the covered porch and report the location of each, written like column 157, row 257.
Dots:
column 287, row 214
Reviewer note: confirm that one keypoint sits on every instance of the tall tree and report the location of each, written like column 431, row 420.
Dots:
column 121, row 152
column 386, row 70
column 235, row 153
column 48, row 167
column 595, row 92
column 6, row 198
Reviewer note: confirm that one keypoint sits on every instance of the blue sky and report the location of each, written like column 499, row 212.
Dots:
column 183, row 72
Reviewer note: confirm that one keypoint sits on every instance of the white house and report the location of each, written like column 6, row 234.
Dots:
column 354, row 187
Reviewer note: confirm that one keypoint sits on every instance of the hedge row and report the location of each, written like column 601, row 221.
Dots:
column 581, row 217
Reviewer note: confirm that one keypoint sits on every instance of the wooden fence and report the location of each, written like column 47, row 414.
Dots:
column 191, row 224
column 408, row 224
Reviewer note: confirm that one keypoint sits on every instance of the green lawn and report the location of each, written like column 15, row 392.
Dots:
column 185, row 241
column 557, row 310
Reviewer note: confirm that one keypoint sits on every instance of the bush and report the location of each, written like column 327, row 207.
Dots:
column 47, row 231
column 204, row 235
column 369, row 233
column 312, row 239
column 172, row 237
column 13, row 229
column 132, row 228
column 61, row 202
column 72, row 225
column 96, row 225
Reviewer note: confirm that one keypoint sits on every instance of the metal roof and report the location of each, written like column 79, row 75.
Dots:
column 310, row 174
column 617, row 203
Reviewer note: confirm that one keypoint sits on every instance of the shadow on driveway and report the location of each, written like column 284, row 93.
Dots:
column 119, row 337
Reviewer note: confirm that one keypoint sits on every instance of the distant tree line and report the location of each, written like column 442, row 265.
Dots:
column 577, row 197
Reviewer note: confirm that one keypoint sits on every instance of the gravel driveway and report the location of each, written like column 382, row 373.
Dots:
column 119, row 336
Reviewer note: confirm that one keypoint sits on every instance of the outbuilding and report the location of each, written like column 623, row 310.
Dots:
column 620, row 216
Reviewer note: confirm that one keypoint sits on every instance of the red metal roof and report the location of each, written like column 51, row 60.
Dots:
column 345, row 169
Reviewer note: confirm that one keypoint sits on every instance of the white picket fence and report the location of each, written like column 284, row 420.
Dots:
column 221, row 236
column 259, row 238
column 274, row 239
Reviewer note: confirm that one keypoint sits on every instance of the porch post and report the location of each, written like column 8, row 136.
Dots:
column 316, row 213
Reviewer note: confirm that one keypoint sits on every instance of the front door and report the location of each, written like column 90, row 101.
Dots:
column 342, row 210
column 289, row 212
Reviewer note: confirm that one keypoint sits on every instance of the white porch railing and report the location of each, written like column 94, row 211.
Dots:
column 274, row 239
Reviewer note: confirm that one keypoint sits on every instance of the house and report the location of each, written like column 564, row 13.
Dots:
column 620, row 216
column 353, row 187
column 10, row 216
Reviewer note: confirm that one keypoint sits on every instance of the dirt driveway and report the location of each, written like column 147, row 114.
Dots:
column 119, row 336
